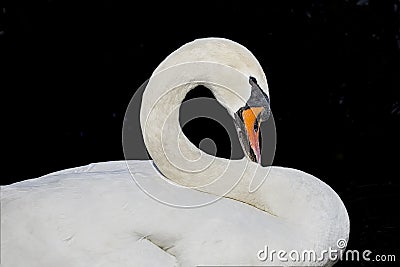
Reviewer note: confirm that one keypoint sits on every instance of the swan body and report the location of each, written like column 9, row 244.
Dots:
column 193, row 209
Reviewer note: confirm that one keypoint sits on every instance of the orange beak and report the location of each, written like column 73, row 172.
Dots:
column 253, row 129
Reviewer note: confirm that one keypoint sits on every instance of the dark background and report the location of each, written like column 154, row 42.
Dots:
column 68, row 74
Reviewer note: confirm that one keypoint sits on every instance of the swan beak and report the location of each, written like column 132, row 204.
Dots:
column 252, row 121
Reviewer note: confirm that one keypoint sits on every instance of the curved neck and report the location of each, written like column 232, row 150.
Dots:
column 295, row 197
column 176, row 157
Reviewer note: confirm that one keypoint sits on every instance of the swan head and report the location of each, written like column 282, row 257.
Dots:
column 249, row 118
column 222, row 61
column 229, row 70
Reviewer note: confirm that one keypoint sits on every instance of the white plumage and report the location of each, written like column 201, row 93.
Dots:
column 99, row 215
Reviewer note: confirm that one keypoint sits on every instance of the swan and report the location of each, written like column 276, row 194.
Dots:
column 185, row 207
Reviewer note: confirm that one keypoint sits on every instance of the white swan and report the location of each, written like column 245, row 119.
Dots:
column 96, row 216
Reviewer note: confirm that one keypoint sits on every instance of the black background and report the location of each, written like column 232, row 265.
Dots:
column 68, row 74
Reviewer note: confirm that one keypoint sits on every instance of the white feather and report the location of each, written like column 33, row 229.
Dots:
column 103, row 215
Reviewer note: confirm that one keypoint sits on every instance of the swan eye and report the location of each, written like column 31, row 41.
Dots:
column 252, row 79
